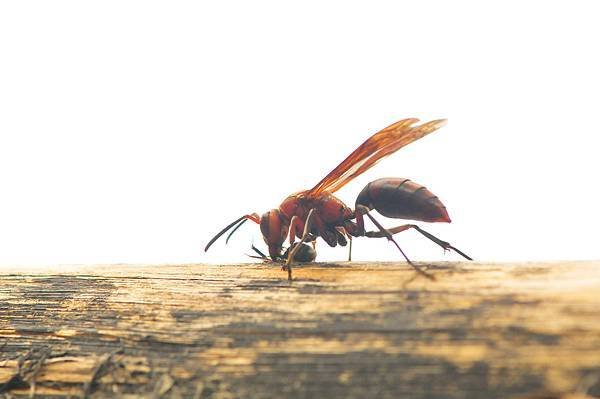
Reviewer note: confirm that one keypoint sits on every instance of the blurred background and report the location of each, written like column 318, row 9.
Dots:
column 132, row 132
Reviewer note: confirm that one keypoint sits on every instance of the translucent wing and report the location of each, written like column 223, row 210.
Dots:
column 379, row 145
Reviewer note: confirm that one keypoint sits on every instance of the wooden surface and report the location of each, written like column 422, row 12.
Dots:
column 337, row 331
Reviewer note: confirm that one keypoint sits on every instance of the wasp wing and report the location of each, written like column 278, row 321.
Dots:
column 376, row 147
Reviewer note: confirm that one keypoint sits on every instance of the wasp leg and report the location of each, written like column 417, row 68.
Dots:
column 394, row 230
column 343, row 238
column 442, row 243
column 261, row 256
column 305, row 236
column 353, row 229
column 385, row 233
column 296, row 226
column 350, row 248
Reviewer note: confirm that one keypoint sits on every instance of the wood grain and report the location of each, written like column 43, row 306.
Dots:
column 348, row 330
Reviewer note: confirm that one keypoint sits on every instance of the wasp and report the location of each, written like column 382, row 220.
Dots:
column 317, row 212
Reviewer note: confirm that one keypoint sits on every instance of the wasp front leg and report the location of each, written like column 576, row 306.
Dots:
column 296, row 229
column 305, row 236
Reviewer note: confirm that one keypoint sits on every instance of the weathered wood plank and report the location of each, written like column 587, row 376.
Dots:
column 339, row 330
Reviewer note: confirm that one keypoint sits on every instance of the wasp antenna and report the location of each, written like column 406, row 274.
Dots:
column 220, row 233
column 234, row 230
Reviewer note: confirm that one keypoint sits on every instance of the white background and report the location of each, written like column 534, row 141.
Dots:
column 132, row 131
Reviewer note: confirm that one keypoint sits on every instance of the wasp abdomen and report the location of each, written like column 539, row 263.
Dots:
column 403, row 199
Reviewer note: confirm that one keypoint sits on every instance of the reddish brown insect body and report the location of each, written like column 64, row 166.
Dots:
column 318, row 213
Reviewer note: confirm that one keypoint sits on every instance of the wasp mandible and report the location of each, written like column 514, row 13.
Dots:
column 315, row 213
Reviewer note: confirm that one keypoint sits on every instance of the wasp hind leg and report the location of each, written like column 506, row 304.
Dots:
column 394, row 230
column 362, row 210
